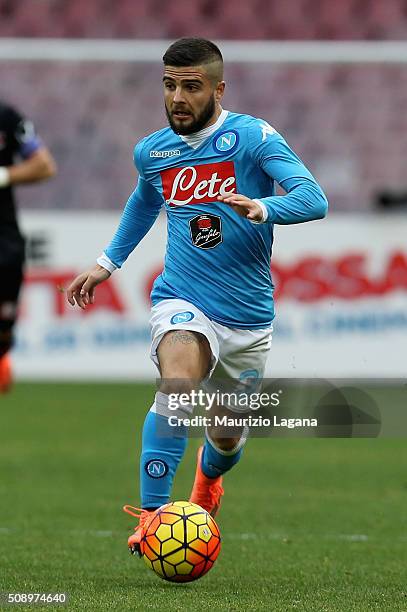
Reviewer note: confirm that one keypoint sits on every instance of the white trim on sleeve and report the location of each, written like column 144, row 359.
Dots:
column 4, row 177
column 106, row 263
column 264, row 211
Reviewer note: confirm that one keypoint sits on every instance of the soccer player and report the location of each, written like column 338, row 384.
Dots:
column 35, row 163
column 215, row 173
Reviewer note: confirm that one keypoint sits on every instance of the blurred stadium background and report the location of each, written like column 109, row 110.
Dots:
column 330, row 515
column 94, row 90
column 341, row 285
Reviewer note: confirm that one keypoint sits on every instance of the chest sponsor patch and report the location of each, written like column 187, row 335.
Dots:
column 206, row 231
column 201, row 184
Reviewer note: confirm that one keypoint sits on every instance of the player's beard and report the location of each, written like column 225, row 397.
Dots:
column 200, row 122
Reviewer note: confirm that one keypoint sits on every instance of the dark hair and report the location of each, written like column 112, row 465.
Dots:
column 191, row 52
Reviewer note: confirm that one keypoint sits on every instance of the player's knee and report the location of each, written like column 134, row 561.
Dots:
column 178, row 385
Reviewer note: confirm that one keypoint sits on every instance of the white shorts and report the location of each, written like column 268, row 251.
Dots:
column 238, row 354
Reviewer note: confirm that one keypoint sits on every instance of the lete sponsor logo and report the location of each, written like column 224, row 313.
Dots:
column 198, row 184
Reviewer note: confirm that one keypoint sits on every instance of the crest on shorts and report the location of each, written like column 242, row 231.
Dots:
column 206, row 231
column 182, row 317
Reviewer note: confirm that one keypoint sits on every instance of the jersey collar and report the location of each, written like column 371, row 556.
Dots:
column 195, row 140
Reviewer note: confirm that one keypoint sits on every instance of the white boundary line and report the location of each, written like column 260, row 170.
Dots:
column 243, row 536
column 281, row 52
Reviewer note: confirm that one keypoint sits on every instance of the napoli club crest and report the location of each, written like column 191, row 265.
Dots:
column 226, row 141
column 156, row 468
column 206, row 231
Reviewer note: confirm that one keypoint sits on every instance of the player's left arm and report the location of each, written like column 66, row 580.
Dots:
column 304, row 199
column 36, row 162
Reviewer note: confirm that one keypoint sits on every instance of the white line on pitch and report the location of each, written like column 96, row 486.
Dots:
column 244, row 536
column 350, row 537
column 99, row 533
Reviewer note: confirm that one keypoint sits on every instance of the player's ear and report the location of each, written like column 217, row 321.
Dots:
column 219, row 91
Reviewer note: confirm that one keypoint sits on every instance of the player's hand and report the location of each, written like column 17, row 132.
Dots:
column 82, row 289
column 245, row 207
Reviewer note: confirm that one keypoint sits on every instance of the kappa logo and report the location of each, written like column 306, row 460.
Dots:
column 226, row 141
column 266, row 130
column 156, row 468
column 165, row 154
column 198, row 184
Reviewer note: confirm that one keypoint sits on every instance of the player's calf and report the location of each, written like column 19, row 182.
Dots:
column 206, row 491
column 215, row 458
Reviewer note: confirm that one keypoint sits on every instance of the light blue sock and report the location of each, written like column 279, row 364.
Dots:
column 216, row 462
column 163, row 447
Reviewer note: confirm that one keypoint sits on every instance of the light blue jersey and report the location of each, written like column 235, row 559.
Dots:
column 216, row 259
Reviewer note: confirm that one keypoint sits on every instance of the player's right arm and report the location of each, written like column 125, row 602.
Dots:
column 140, row 212
column 138, row 217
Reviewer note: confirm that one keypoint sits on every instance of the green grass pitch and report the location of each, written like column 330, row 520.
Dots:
column 307, row 524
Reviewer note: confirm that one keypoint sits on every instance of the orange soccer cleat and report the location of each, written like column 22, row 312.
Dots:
column 6, row 377
column 206, row 492
column 144, row 517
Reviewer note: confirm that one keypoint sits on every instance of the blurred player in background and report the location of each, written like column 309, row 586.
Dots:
column 215, row 173
column 34, row 163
